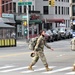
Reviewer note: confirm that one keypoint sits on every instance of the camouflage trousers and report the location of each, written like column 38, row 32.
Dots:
column 39, row 54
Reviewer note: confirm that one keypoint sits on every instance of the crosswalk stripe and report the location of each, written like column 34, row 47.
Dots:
column 40, row 69
column 58, row 70
column 15, row 69
column 72, row 73
column 4, row 67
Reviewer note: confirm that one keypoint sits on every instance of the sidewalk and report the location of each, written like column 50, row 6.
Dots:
column 21, row 42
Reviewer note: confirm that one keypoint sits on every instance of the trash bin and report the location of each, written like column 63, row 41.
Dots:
column 73, row 44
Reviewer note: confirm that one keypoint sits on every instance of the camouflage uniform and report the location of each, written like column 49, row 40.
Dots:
column 39, row 53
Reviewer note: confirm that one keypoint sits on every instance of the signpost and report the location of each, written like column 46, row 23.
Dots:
column 21, row 3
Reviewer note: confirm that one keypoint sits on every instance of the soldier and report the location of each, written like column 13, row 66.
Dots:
column 39, row 51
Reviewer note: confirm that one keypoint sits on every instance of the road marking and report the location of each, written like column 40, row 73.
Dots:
column 15, row 54
column 59, row 70
column 4, row 67
column 40, row 69
column 60, row 55
column 72, row 73
column 15, row 69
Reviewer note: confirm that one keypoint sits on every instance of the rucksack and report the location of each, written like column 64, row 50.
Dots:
column 32, row 43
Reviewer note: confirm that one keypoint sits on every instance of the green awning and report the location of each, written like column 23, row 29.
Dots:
column 35, row 21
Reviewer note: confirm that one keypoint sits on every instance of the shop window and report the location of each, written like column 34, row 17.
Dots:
column 45, row 10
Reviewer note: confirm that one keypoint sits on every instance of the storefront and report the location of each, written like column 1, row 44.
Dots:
column 52, row 23
column 35, row 24
column 8, row 19
column 7, row 35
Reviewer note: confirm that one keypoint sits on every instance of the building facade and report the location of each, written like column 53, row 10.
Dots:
column 72, row 9
column 52, row 16
column 55, row 15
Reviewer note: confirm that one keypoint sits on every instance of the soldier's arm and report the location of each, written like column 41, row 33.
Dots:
column 48, row 46
column 37, row 44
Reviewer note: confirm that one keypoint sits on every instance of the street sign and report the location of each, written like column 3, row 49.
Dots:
column 24, row 3
column 24, row 17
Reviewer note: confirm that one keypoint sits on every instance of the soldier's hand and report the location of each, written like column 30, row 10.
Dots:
column 52, row 49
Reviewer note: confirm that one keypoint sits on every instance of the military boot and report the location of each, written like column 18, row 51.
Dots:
column 30, row 68
column 47, row 68
column 73, row 67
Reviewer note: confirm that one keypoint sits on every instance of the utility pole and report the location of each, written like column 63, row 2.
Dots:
column 28, row 20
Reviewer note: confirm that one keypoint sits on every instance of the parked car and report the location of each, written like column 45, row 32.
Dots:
column 55, row 35
column 50, row 36
column 62, row 33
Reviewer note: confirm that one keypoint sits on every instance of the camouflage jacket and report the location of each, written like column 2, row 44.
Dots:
column 40, row 44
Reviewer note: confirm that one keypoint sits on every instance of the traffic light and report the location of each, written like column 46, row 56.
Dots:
column 25, row 31
column 53, row 3
column 49, row 2
column 25, row 23
column 21, row 0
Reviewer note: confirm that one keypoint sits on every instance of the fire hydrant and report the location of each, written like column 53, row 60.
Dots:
column 73, row 44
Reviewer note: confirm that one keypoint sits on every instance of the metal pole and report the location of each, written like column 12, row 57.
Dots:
column 28, row 20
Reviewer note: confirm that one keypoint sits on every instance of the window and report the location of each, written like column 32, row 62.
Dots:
column 55, row 9
column 56, row 25
column 33, row 8
column 24, row 9
column 14, row 7
column 29, row 8
column 19, row 9
column 45, row 10
column 62, row 10
column 10, row 6
column 73, row 10
column 45, row 0
column 3, row 6
column 59, row 9
column 73, row 1
column 7, row 6
column 68, row 10
column 62, row 0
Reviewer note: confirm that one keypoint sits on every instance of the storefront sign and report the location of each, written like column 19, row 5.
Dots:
column 7, row 15
column 34, row 17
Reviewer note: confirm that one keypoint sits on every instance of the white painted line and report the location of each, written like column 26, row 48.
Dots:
column 4, row 67
column 72, row 73
column 15, row 69
column 40, row 69
column 60, row 55
column 58, row 70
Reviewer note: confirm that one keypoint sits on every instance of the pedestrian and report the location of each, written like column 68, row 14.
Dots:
column 39, row 51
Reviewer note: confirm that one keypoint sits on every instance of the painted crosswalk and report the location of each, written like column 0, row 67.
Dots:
column 24, row 69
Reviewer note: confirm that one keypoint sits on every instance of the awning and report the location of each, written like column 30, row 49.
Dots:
column 55, row 20
column 35, row 21
column 7, row 20
column 2, row 25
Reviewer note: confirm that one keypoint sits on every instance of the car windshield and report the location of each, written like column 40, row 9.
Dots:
column 49, row 32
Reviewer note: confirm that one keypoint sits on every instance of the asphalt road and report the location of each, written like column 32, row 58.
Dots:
column 15, row 60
